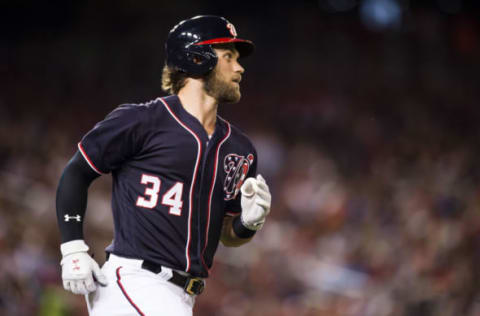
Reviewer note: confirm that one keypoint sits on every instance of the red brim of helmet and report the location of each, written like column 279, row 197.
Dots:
column 244, row 47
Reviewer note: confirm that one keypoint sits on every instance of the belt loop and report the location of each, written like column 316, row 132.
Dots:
column 150, row 266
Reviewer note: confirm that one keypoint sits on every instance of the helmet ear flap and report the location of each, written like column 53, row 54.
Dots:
column 193, row 60
column 201, row 59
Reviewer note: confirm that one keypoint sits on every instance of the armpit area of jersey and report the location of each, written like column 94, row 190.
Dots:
column 71, row 200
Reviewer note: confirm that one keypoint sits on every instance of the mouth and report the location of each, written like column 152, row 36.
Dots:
column 237, row 79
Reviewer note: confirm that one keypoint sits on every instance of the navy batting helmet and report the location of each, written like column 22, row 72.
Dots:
column 189, row 43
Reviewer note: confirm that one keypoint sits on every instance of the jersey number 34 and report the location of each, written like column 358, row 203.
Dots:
column 171, row 198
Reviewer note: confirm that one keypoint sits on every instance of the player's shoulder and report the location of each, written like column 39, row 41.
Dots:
column 144, row 112
column 141, row 108
column 238, row 136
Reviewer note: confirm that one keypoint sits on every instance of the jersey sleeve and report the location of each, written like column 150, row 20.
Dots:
column 114, row 140
column 233, row 207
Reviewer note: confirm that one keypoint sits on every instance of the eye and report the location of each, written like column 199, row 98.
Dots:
column 228, row 56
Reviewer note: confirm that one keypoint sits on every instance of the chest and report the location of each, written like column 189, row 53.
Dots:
column 174, row 155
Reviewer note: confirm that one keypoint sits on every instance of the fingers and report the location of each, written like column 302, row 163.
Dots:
column 249, row 187
column 258, row 187
column 67, row 285
column 99, row 276
column 260, row 178
column 265, row 204
column 264, row 195
column 78, row 287
column 262, row 184
column 255, row 202
column 90, row 285
column 254, row 185
column 81, row 286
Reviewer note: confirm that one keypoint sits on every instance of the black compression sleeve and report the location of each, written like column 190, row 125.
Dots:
column 72, row 197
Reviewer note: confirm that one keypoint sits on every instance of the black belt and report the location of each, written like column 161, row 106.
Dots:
column 191, row 285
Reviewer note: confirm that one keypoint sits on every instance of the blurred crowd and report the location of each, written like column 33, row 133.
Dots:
column 367, row 139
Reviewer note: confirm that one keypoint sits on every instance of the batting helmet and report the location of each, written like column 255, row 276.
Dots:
column 189, row 43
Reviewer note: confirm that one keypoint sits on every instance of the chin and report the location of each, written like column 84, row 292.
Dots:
column 230, row 99
column 230, row 96
column 236, row 97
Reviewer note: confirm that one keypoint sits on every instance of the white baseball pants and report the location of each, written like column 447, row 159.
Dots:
column 133, row 291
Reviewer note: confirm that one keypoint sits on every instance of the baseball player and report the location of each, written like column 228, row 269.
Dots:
column 183, row 180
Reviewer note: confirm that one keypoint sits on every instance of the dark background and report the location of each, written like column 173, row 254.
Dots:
column 364, row 114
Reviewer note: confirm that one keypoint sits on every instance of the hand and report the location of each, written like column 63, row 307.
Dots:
column 79, row 269
column 256, row 200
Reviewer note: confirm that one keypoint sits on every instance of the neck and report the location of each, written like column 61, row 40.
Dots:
column 199, row 104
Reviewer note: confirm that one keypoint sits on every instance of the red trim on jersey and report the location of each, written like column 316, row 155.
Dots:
column 222, row 40
column 210, row 194
column 87, row 159
column 126, row 294
column 232, row 213
column 187, row 249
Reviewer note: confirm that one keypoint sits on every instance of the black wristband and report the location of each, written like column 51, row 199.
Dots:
column 240, row 230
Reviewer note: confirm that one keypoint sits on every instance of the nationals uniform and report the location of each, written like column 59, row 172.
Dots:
column 172, row 183
column 173, row 187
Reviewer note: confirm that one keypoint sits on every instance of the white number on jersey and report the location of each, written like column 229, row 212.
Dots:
column 151, row 192
column 172, row 198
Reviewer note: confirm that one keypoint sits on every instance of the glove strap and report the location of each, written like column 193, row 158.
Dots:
column 240, row 230
column 74, row 246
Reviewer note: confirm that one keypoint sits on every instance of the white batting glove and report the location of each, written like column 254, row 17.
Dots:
column 79, row 269
column 256, row 200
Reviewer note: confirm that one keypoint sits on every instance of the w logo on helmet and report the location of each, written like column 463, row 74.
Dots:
column 232, row 29
column 236, row 168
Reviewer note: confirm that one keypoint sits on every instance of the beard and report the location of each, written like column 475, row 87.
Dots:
column 220, row 89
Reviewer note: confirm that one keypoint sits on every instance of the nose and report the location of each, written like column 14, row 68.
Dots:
column 238, row 68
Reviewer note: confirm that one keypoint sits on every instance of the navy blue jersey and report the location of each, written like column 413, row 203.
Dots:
column 172, row 185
